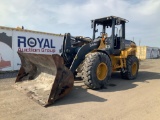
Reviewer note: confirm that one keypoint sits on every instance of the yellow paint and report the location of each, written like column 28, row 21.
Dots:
column 102, row 42
column 117, row 61
column 102, row 71
column 120, row 61
column 102, row 45
column 128, row 51
column 134, row 68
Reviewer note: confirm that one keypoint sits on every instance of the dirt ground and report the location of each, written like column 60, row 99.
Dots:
column 129, row 100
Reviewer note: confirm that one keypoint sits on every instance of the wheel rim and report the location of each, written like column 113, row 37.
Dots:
column 102, row 71
column 134, row 68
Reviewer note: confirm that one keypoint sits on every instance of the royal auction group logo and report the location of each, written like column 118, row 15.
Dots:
column 32, row 44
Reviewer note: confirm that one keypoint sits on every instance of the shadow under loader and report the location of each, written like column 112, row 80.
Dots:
column 121, row 84
column 79, row 94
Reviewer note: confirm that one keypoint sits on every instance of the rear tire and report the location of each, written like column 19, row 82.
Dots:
column 96, row 70
column 132, row 66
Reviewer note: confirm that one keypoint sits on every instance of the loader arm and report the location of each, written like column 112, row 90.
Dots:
column 82, row 52
column 74, row 50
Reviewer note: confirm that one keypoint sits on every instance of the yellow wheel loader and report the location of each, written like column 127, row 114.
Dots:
column 46, row 78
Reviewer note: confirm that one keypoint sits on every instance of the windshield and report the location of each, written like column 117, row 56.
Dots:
column 108, row 30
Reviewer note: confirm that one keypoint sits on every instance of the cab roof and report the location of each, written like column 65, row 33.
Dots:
column 107, row 21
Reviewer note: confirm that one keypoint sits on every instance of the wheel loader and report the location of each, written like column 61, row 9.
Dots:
column 46, row 78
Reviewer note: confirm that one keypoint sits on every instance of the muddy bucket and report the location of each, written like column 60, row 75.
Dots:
column 44, row 78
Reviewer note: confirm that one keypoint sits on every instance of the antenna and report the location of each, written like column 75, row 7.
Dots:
column 133, row 39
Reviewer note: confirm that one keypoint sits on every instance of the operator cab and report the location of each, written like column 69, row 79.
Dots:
column 113, row 28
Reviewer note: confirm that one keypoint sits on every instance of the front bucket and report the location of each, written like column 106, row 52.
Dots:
column 44, row 78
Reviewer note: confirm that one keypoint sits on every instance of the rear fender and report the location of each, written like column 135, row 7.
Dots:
column 105, row 52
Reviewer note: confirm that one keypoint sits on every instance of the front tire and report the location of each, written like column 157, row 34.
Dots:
column 96, row 70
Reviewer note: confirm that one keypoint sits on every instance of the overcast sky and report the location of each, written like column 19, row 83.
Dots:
column 73, row 16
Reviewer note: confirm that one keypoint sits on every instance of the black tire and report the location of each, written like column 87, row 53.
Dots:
column 80, row 68
column 89, row 70
column 129, row 73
